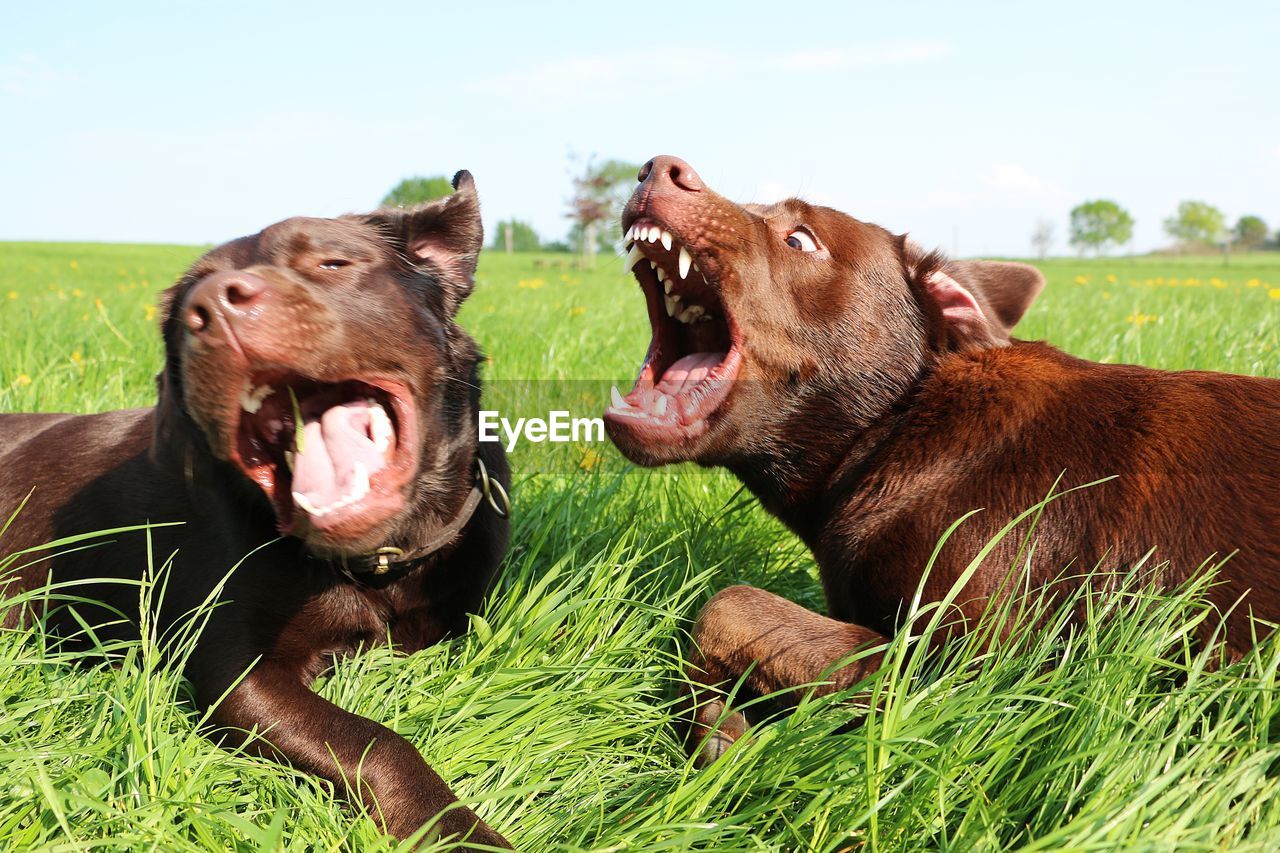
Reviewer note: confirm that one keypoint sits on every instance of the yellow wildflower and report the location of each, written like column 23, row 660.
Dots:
column 151, row 312
column 590, row 459
column 1274, row 293
column 13, row 294
column 22, row 381
column 577, row 311
column 77, row 357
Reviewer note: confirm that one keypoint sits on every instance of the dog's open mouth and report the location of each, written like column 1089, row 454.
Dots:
column 693, row 356
column 338, row 453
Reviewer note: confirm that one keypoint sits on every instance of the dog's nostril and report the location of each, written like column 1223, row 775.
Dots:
column 644, row 172
column 198, row 318
column 238, row 294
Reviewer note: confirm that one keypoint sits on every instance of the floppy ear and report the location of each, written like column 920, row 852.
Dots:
column 443, row 236
column 978, row 302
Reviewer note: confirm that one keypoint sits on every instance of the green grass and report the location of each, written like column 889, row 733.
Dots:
column 554, row 715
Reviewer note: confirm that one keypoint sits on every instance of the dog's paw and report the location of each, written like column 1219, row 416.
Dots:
column 716, row 741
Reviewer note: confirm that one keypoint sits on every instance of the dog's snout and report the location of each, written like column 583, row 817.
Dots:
column 666, row 169
column 231, row 294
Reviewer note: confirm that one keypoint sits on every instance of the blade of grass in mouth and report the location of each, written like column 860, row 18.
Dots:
column 299, row 434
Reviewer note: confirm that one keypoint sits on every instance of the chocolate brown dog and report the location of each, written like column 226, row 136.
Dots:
column 317, row 420
column 870, row 395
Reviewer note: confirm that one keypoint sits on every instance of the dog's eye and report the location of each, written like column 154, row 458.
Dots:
column 801, row 239
column 334, row 264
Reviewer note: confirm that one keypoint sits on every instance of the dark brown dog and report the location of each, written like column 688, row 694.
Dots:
column 367, row 517
column 870, row 395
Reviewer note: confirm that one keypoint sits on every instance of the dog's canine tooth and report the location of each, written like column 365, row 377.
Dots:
column 666, row 240
column 380, row 429
column 633, row 257
column 361, row 484
column 631, row 233
column 685, row 261
column 615, row 397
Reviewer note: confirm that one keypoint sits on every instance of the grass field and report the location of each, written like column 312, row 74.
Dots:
column 554, row 715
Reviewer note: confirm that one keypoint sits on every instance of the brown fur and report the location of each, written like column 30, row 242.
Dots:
column 869, row 421
column 291, row 607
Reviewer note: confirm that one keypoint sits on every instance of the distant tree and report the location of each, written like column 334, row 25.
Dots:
column 1098, row 224
column 599, row 192
column 1250, row 232
column 557, row 246
column 1042, row 238
column 413, row 191
column 516, row 236
column 1196, row 223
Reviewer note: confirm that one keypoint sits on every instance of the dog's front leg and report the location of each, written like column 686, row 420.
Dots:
column 779, row 646
column 366, row 762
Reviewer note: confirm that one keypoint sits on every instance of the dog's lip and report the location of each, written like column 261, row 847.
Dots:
column 386, row 496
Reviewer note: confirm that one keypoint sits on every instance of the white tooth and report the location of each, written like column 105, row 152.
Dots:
column 380, row 429
column 672, row 302
column 661, row 408
column 691, row 314
column 653, row 265
column 667, row 285
column 630, row 235
column 288, row 459
column 305, row 505
column 251, row 399
column 685, row 260
column 361, row 481
column 654, row 234
column 666, row 240
column 662, row 274
column 633, row 257
column 615, row 397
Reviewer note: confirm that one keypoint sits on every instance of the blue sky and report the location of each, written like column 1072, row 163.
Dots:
column 962, row 123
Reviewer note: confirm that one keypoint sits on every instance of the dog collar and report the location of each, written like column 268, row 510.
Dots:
column 486, row 488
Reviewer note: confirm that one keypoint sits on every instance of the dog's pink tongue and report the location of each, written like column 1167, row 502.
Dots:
column 688, row 371
column 336, row 458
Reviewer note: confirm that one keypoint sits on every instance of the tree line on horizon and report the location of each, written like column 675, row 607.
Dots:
column 600, row 188
column 1098, row 225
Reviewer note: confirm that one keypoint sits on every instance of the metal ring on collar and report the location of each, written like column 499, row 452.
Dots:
column 490, row 487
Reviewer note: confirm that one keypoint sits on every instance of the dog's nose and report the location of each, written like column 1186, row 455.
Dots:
column 233, row 294
column 673, row 170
